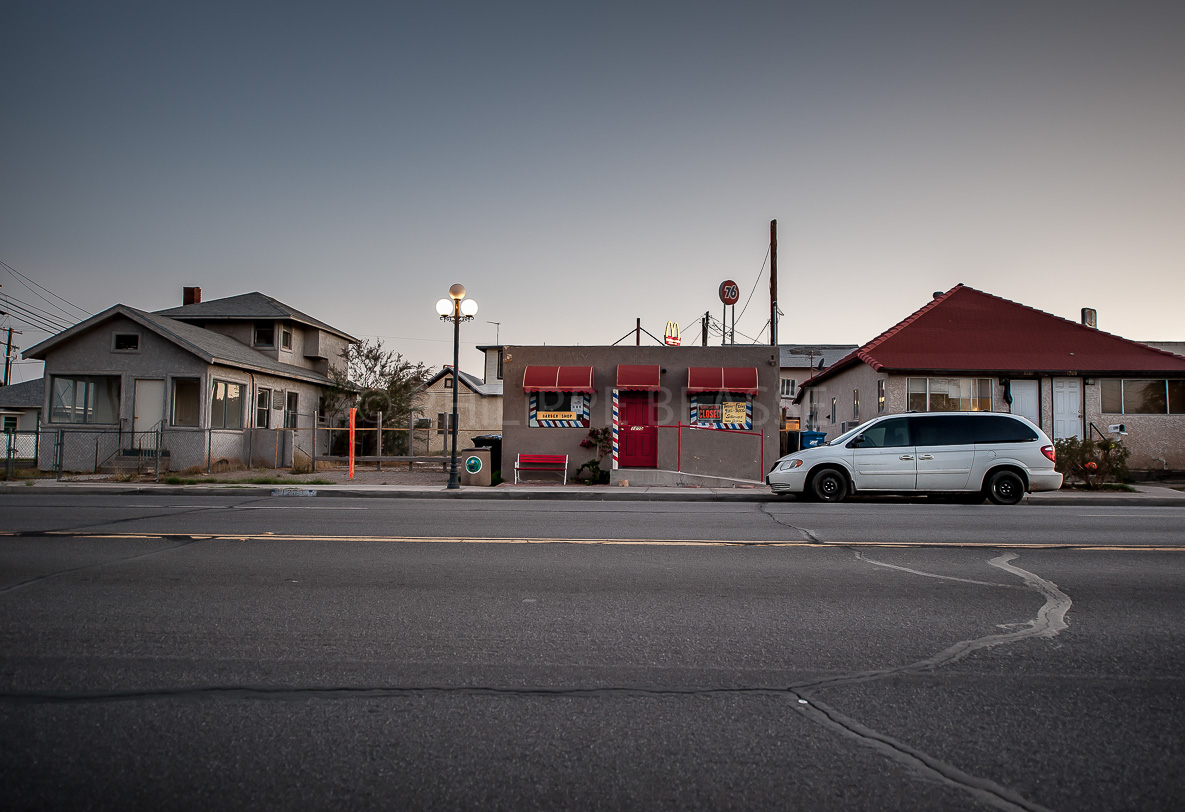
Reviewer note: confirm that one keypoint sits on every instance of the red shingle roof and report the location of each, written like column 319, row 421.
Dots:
column 967, row 330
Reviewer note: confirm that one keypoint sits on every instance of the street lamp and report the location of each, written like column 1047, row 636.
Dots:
column 456, row 309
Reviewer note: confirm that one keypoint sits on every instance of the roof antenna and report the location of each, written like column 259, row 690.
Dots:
column 497, row 332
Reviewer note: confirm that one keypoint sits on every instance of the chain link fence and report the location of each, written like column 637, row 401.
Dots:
column 114, row 452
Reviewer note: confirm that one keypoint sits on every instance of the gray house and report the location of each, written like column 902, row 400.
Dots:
column 236, row 379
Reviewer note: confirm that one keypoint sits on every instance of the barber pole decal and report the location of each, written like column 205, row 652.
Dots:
column 616, row 422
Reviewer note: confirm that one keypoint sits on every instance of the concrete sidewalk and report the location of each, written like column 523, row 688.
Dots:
column 1146, row 495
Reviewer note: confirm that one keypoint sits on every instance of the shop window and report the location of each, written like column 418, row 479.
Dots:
column 185, row 400
column 226, row 406
column 84, row 399
column 1142, row 396
column 950, row 394
column 263, row 409
column 722, row 410
column 558, row 410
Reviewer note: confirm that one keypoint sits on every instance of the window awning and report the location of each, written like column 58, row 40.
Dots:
column 722, row 379
column 639, row 377
column 558, row 379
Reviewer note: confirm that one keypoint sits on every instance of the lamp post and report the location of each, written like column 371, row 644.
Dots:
column 456, row 309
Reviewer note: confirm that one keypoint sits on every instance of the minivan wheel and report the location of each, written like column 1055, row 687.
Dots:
column 829, row 485
column 1005, row 488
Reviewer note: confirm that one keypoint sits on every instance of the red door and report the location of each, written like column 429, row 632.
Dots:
column 637, row 434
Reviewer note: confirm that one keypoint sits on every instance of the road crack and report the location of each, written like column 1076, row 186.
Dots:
column 1049, row 622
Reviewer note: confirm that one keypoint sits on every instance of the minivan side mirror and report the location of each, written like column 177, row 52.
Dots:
column 857, row 441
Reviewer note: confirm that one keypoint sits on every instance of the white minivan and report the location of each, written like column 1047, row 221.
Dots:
column 977, row 454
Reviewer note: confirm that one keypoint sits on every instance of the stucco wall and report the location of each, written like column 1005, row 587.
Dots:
column 715, row 453
column 1157, row 441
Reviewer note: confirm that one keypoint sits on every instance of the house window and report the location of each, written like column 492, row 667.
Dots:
column 834, row 404
column 788, row 387
column 499, row 364
column 448, row 382
column 290, row 408
column 855, row 404
column 265, row 334
column 226, row 406
column 722, row 410
column 186, row 396
column 126, row 342
column 1136, row 396
column 286, row 338
column 443, row 422
column 950, row 394
column 263, row 409
column 9, row 424
column 880, row 396
column 84, row 399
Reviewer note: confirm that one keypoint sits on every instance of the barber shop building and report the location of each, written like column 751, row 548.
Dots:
column 677, row 415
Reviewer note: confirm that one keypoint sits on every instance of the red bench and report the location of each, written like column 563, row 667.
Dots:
column 557, row 463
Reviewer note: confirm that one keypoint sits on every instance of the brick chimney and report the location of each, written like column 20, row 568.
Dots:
column 191, row 296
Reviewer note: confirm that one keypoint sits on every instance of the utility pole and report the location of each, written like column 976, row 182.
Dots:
column 704, row 331
column 638, row 333
column 8, row 357
column 773, row 283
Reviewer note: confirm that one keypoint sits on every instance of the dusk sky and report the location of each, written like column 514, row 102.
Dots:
column 577, row 166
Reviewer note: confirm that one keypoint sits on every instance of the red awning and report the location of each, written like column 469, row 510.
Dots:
column 639, row 377
column 722, row 379
column 558, row 379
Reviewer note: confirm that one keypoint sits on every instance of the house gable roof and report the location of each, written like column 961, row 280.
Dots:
column 483, row 389
column 967, row 330
column 247, row 307
column 211, row 347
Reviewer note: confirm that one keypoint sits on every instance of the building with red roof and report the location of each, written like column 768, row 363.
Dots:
column 967, row 350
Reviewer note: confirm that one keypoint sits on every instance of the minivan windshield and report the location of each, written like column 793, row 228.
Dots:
column 843, row 438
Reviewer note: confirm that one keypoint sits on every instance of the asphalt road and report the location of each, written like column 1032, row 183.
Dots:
column 260, row 653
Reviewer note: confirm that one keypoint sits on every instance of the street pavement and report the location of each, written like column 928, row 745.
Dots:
column 200, row 648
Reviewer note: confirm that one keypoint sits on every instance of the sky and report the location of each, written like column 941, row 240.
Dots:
column 578, row 166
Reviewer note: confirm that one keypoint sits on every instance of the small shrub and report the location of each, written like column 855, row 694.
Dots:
column 602, row 441
column 1091, row 462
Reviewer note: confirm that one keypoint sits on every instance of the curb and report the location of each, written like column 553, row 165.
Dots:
column 600, row 495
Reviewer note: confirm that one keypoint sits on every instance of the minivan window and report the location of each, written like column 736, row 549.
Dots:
column 886, row 434
column 1002, row 430
column 943, row 430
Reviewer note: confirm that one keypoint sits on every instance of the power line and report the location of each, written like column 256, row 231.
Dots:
column 37, row 311
column 755, row 281
column 30, row 320
column 20, row 277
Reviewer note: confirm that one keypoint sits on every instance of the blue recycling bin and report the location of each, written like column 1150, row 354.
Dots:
column 810, row 439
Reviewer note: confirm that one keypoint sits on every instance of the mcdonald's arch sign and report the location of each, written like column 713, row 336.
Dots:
column 672, row 335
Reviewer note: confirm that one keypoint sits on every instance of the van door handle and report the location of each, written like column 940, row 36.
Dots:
column 906, row 456
column 926, row 457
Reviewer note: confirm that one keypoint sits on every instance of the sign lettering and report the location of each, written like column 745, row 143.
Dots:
column 555, row 416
